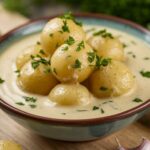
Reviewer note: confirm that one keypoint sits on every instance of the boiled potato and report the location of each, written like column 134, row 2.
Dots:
column 57, row 31
column 9, row 145
column 26, row 55
column 107, row 47
column 39, row 80
column 70, row 94
column 112, row 80
column 70, row 64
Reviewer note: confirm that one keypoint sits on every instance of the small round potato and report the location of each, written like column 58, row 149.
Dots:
column 107, row 47
column 26, row 55
column 70, row 64
column 112, row 80
column 39, row 80
column 57, row 31
column 70, row 94
column 9, row 145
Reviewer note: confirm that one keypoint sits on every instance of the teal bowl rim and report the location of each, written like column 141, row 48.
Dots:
column 78, row 122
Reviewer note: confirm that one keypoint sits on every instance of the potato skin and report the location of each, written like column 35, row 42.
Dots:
column 107, row 47
column 63, row 63
column 36, row 80
column 112, row 80
column 70, row 94
column 26, row 55
column 53, row 36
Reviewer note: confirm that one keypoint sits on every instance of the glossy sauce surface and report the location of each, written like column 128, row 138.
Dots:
column 137, row 55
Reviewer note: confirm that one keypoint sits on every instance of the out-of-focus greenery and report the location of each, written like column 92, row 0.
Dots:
column 135, row 10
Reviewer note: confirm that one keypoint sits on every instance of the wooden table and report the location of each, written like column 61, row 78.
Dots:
column 130, row 136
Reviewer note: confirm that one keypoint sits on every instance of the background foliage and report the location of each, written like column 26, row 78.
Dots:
column 135, row 10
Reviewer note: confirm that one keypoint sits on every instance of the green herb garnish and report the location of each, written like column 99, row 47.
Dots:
column 30, row 99
column 51, row 34
column 42, row 51
column 70, row 40
column 102, row 88
column 65, row 48
column 138, row 100
column 33, row 106
column 145, row 73
column 81, row 110
column 1, row 81
column 54, row 70
column 17, row 72
column 103, row 33
column 69, row 16
column 95, row 108
column 80, row 46
column 102, row 110
column 48, row 70
column 77, row 64
column 91, row 56
column 20, row 103
column 38, row 43
column 65, row 27
column 147, row 58
column 102, row 61
column 124, row 45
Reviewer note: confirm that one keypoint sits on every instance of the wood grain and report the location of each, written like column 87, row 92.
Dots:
column 130, row 136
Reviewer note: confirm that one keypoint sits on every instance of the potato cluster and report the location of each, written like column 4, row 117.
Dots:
column 64, row 59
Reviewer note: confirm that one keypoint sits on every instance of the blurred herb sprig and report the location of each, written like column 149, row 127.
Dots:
column 135, row 10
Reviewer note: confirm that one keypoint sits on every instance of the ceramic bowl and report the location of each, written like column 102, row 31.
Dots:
column 75, row 130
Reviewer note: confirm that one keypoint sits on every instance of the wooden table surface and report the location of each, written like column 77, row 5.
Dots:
column 130, row 136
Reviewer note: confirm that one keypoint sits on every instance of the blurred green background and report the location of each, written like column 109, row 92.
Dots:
column 135, row 10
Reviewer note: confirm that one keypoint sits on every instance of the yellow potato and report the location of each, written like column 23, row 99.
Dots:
column 70, row 64
column 70, row 94
column 57, row 31
column 39, row 80
column 112, row 80
column 26, row 55
column 9, row 145
column 107, row 47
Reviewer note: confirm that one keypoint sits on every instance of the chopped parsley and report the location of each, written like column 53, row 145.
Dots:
column 80, row 46
column 69, row 16
column 70, row 40
column 137, row 100
column 36, row 61
column 124, row 45
column 102, row 61
column 91, row 56
column 103, row 33
column 63, row 113
column 1, row 81
column 65, row 48
column 20, row 103
column 145, row 73
column 38, row 43
column 33, row 105
column 54, row 70
column 147, row 58
column 95, row 108
column 103, row 88
column 47, row 70
column 90, row 30
column 132, row 54
column 42, row 51
column 65, row 27
column 51, row 35
column 17, row 72
column 81, row 110
column 77, row 64
column 102, row 111
column 30, row 99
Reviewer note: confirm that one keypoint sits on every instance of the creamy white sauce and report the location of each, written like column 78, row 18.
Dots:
column 10, row 92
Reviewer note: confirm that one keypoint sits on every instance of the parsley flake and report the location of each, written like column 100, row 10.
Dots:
column 65, row 48
column 137, row 100
column 77, row 64
column 42, row 51
column 70, row 40
column 54, row 70
column 20, row 103
column 102, row 88
column 80, row 46
column 102, row 61
column 38, row 43
column 145, row 74
column 32, row 106
column 65, row 27
column 30, row 99
column 102, row 111
column 91, row 56
column 17, row 72
column 103, row 33
column 95, row 108
column 1, row 81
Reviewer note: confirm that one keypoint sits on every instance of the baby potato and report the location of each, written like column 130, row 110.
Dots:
column 70, row 94
column 70, row 63
column 9, row 145
column 107, row 47
column 57, row 31
column 112, row 80
column 26, row 55
column 39, row 80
